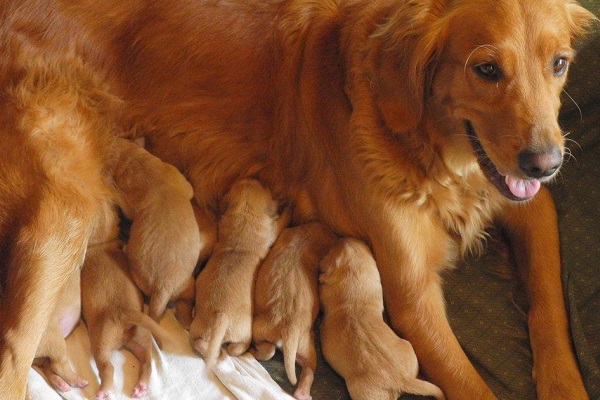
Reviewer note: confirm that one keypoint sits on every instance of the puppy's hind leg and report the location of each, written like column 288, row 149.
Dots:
column 141, row 346
column 185, row 304
column 263, row 338
column 307, row 358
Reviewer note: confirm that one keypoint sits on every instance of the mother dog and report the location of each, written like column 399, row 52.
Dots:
column 411, row 124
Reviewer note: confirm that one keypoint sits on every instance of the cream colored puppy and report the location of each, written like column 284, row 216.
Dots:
column 375, row 363
column 224, row 288
column 286, row 302
column 112, row 308
column 164, row 241
column 51, row 355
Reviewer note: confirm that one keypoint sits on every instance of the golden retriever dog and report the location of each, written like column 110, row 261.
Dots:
column 51, row 355
column 164, row 239
column 412, row 125
column 375, row 363
column 286, row 303
column 224, row 289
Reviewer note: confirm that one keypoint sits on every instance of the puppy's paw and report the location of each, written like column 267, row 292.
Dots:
column 237, row 349
column 103, row 395
column 140, row 391
column 59, row 383
column 263, row 351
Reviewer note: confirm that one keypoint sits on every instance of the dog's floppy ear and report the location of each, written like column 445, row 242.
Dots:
column 403, row 60
column 580, row 20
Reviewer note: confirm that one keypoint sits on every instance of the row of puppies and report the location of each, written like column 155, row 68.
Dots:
column 162, row 252
column 163, row 249
column 261, row 285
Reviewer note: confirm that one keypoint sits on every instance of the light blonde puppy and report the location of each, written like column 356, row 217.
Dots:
column 246, row 232
column 164, row 240
column 286, row 302
column 51, row 355
column 356, row 341
column 112, row 308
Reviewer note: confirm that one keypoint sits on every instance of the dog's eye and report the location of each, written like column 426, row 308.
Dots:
column 560, row 66
column 488, row 71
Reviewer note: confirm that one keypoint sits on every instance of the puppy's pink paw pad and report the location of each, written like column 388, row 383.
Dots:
column 140, row 391
column 60, row 384
column 103, row 395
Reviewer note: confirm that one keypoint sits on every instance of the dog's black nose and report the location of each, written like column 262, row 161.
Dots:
column 539, row 164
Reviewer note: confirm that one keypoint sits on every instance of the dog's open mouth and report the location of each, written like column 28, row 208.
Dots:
column 511, row 187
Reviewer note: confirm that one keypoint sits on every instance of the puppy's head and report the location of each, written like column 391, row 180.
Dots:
column 489, row 73
column 248, row 195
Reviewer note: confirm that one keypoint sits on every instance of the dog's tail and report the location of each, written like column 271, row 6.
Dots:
column 423, row 388
column 291, row 339
column 212, row 349
column 140, row 319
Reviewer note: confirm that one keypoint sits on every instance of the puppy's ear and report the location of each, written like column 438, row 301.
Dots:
column 404, row 60
column 581, row 21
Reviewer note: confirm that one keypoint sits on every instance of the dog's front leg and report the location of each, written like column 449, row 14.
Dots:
column 43, row 255
column 409, row 251
column 533, row 232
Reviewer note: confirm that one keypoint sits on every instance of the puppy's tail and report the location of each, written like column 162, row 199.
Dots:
column 291, row 338
column 423, row 388
column 158, row 305
column 140, row 319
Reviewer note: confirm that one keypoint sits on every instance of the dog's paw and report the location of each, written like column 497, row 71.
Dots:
column 140, row 391
column 103, row 395
column 567, row 386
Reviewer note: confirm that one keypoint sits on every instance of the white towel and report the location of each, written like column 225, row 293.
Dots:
column 178, row 372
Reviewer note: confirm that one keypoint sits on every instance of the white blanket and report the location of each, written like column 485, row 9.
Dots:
column 178, row 372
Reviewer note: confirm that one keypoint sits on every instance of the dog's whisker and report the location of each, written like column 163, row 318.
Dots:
column 576, row 105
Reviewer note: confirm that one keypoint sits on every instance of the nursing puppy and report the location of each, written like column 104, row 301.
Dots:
column 164, row 240
column 224, row 289
column 375, row 363
column 112, row 308
column 51, row 355
column 286, row 303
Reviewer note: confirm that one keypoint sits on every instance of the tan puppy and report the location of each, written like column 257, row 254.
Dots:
column 286, row 302
column 164, row 240
column 112, row 307
column 356, row 341
column 247, row 230
column 51, row 355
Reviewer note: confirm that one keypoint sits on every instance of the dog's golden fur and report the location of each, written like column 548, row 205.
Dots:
column 353, row 110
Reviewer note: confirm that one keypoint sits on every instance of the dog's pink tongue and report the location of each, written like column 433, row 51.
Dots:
column 522, row 188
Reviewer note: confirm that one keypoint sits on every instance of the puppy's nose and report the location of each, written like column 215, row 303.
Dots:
column 539, row 164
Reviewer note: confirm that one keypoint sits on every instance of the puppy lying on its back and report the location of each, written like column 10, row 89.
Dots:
column 356, row 341
column 246, row 232
column 164, row 240
column 286, row 302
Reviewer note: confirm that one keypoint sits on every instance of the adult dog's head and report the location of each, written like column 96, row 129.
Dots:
column 488, row 73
